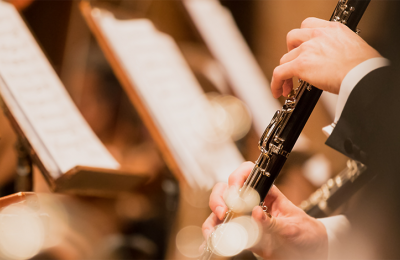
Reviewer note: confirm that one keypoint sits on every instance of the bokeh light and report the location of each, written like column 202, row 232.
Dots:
column 241, row 203
column 22, row 232
column 229, row 115
column 188, row 241
column 252, row 228
column 229, row 239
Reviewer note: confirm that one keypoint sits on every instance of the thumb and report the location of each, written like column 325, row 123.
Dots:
column 269, row 223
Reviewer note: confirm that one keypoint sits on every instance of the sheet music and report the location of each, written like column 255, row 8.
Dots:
column 173, row 97
column 224, row 40
column 31, row 86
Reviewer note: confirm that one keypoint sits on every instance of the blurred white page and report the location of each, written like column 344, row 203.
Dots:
column 170, row 93
column 40, row 103
column 224, row 40
column 219, row 31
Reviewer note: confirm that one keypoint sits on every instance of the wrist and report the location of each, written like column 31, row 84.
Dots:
column 337, row 228
column 323, row 235
column 319, row 235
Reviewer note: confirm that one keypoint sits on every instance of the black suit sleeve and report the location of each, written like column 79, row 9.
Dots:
column 366, row 130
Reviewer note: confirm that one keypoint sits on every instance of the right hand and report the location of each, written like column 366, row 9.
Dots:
column 289, row 234
column 321, row 53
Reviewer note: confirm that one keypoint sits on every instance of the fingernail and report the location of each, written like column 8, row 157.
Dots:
column 220, row 211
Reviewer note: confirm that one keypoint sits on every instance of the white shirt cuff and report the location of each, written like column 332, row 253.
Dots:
column 336, row 228
column 350, row 81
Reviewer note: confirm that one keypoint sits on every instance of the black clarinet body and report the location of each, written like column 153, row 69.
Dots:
column 283, row 141
column 281, row 135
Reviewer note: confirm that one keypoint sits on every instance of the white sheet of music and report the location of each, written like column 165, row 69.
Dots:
column 224, row 40
column 173, row 97
column 41, row 104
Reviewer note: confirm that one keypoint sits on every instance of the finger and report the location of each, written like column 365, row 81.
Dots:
column 269, row 223
column 291, row 55
column 276, row 87
column 209, row 224
column 217, row 203
column 287, row 87
column 280, row 75
column 274, row 196
column 313, row 22
column 297, row 36
column 239, row 176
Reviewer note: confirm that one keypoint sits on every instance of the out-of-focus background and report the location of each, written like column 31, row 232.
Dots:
column 145, row 223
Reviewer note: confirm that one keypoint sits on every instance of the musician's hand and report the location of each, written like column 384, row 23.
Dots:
column 321, row 53
column 289, row 234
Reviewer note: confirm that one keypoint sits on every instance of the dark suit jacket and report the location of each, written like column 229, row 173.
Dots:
column 368, row 126
column 369, row 131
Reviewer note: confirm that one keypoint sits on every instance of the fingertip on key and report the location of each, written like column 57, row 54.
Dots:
column 220, row 212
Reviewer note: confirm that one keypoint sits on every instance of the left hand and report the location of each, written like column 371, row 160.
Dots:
column 320, row 53
column 289, row 234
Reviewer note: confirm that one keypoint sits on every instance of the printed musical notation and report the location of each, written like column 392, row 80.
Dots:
column 171, row 94
column 29, row 80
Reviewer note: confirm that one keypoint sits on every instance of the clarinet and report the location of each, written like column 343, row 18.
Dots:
column 281, row 134
column 330, row 196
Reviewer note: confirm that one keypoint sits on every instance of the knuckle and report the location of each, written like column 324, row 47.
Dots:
column 306, row 22
column 290, row 35
column 306, row 47
column 317, row 32
column 302, row 63
column 276, row 74
column 291, row 232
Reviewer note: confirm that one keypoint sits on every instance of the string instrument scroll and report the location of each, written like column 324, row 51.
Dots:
column 281, row 134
